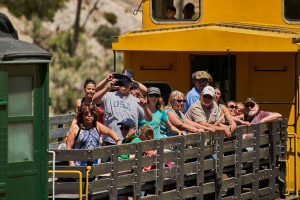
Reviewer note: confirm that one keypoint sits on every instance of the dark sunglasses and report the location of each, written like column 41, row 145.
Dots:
column 203, row 80
column 207, row 96
column 180, row 101
column 125, row 80
column 250, row 105
column 125, row 128
column 232, row 106
column 86, row 113
column 153, row 95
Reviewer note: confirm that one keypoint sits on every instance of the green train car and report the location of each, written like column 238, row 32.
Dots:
column 24, row 94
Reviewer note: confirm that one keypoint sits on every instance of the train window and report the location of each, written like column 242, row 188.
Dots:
column 292, row 10
column 20, row 141
column 165, row 88
column 176, row 10
column 20, row 95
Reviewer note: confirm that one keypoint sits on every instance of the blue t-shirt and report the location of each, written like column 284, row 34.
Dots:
column 191, row 97
column 159, row 116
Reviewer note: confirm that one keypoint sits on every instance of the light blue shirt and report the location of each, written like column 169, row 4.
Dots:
column 192, row 96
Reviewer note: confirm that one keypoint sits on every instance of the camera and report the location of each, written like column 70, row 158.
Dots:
column 117, row 76
column 119, row 83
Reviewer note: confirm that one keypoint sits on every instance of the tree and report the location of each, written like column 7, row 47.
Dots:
column 43, row 9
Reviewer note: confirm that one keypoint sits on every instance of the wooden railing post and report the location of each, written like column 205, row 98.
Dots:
column 159, row 170
column 256, row 157
column 200, row 166
column 219, row 165
column 238, row 163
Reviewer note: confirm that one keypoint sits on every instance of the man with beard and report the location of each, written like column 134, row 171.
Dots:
column 200, row 80
column 206, row 112
column 121, row 105
column 254, row 115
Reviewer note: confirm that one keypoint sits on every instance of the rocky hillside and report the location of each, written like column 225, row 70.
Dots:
column 92, row 59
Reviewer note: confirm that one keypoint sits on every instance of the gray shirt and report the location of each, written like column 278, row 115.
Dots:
column 116, row 108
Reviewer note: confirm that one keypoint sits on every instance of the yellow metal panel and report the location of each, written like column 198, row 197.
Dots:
column 207, row 39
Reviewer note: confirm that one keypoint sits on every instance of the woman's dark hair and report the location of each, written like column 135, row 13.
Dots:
column 88, row 107
column 89, row 81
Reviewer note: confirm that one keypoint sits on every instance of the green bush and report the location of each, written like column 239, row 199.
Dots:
column 106, row 35
column 111, row 17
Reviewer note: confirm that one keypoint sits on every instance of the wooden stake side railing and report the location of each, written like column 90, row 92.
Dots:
column 199, row 161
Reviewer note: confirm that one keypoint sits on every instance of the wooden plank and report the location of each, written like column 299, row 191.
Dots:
column 58, row 132
column 238, row 162
column 149, row 145
column 102, row 152
column 100, row 185
column 74, row 154
column 65, row 187
column 61, row 119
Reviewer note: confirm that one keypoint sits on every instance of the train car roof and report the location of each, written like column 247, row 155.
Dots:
column 213, row 37
column 17, row 51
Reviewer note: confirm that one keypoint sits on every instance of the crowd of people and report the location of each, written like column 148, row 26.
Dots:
column 120, row 110
column 118, row 107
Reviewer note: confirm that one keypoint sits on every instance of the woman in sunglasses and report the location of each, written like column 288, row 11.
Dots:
column 86, row 133
column 155, row 105
column 174, row 111
column 232, row 107
column 225, row 113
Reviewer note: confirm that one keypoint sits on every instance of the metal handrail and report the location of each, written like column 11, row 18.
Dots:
column 71, row 172
column 288, row 179
column 53, row 174
column 88, row 169
column 296, row 165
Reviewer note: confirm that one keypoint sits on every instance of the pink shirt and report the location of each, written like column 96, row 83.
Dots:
column 256, row 119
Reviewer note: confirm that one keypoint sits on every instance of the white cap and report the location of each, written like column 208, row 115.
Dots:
column 209, row 90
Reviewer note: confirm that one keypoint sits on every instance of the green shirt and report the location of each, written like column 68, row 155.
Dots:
column 133, row 139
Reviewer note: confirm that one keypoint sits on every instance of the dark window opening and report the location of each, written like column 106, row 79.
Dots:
column 292, row 10
column 165, row 89
column 176, row 10
column 217, row 66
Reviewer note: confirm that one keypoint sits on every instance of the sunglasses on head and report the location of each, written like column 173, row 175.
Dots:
column 180, row 101
column 125, row 128
column 232, row 106
column 207, row 96
column 125, row 80
column 153, row 95
column 250, row 105
column 87, row 113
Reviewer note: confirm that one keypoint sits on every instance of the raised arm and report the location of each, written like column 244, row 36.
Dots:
column 147, row 112
column 142, row 87
column 102, row 83
column 107, row 131
column 97, row 98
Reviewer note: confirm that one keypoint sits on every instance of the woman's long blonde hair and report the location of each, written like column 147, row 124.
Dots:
column 172, row 97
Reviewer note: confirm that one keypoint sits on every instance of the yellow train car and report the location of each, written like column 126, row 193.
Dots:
column 251, row 48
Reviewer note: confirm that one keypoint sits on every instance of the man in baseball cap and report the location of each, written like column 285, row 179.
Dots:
column 128, row 129
column 200, row 79
column 254, row 115
column 206, row 112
